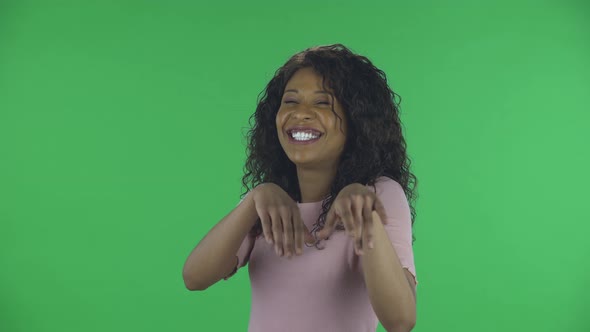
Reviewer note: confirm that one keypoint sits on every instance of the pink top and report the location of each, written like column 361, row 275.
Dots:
column 322, row 290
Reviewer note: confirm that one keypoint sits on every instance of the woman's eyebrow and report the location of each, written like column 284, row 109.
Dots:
column 297, row 91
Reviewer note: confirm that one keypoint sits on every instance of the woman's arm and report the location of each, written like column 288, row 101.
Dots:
column 215, row 256
column 391, row 288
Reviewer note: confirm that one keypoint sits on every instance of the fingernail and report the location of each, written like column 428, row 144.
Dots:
column 280, row 252
column 371, row 245
column 298, row 251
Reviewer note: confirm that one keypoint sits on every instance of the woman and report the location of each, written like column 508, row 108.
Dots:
column 326, row 220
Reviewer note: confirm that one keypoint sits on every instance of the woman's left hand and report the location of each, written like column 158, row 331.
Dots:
column 353, row 207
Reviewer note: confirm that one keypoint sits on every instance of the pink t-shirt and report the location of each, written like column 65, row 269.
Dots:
column 321, row 290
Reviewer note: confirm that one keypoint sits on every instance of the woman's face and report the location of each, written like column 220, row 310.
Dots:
column 308, row 130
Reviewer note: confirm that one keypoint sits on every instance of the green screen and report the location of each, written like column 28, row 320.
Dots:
column 121, row 145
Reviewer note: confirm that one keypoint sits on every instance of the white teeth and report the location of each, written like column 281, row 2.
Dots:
column 303, row 136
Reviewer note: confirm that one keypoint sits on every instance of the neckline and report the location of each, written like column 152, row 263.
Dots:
column 310, row 203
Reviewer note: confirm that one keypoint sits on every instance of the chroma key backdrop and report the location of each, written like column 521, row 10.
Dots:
column 122, row 143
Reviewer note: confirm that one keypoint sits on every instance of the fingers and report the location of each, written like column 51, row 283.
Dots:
column 329, row 225
column 307, row 237
column 302, row 233
column 368, row 224
column 288, row 233
column 266, row 226
column 280, row 220
column 368, row 232
column 350, row 223
column 283, row 227
column 277, row 232
column 355, row 212
column 358, row 203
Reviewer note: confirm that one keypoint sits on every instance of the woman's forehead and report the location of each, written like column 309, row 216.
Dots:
column 307, row 80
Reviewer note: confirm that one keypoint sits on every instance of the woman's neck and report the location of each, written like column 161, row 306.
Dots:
column 315, row 184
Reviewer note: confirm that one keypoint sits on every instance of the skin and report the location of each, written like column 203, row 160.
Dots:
column 390, row 287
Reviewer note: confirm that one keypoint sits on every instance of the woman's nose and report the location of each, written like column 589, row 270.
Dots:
column 303, row 113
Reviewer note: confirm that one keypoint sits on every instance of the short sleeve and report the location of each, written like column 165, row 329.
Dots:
column 243, row 254
column 399, row 220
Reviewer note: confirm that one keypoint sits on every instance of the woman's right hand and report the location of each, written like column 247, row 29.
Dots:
column 281, row 220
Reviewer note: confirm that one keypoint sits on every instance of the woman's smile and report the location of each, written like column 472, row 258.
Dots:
column 303, row 135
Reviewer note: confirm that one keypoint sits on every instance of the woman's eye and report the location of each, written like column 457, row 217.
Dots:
column 294, row 102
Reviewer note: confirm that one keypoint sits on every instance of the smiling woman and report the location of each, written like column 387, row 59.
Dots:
column 309, row 124
column 327, row 167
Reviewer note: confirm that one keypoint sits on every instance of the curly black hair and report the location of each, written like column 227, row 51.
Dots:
column 374, row 145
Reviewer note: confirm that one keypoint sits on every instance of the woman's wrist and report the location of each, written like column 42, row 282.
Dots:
column 251, row 216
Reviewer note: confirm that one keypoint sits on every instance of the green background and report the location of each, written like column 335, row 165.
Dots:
column 121, row 144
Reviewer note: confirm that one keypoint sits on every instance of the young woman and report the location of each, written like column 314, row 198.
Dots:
column 326, row 219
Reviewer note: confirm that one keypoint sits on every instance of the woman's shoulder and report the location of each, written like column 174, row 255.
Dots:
column 387, row 185
column 393, row 197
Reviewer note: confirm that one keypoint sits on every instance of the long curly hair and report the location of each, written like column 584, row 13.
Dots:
column 374, row 145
